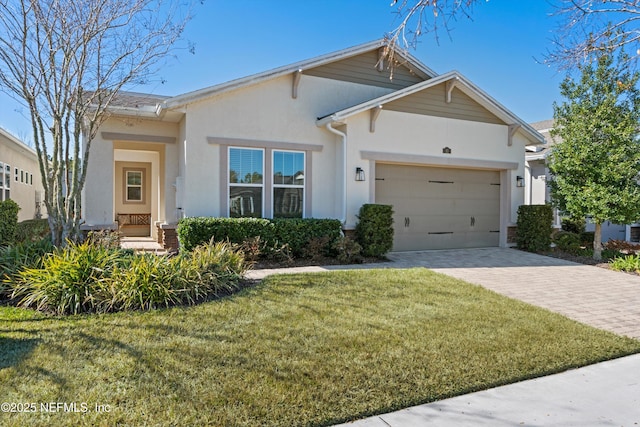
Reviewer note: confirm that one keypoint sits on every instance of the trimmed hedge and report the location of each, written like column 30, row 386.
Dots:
column 535, row 225
column 8, row 222
column 374, row 231
column 294, row 232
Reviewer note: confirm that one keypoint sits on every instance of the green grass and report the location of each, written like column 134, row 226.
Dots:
column 312, row 349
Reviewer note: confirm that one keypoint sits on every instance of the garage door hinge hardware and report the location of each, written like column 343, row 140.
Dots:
column 440, row 232
column 379, row 179
column 407, row 221
column 496, row 184
column 473, row 221
column 442, row 182
column 494, row 231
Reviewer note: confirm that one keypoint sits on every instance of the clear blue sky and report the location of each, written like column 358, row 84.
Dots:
column 498, row 49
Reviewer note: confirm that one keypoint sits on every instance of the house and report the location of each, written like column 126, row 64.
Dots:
column 537, row 191
column 318, row 138
column 20, row 176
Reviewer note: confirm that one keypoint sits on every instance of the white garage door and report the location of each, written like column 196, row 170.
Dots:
column 440, row 208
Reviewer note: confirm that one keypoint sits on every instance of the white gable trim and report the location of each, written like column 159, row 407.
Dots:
column 460, row 83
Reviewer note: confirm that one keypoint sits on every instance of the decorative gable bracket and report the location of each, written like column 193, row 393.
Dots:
column 375, row 112
column 449, row 88
column 296, row 82
column 512, row 131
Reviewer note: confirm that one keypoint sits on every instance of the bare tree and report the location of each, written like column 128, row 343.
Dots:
column 418, row 17
column 587, row 27
column 66, row 60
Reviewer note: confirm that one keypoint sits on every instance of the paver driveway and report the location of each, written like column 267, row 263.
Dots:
column 596, row 296
column 602, row 298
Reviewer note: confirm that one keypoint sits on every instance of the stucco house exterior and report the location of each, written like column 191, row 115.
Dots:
column 20, row 176
column 318, row 138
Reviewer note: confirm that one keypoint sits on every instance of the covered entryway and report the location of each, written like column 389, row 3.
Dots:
column 440, row 208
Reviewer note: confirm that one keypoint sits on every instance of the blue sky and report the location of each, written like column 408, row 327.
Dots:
column 500, row 49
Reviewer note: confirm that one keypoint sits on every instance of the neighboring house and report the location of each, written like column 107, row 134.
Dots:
column 20, row 177
column 537, row 190
column 318, row 138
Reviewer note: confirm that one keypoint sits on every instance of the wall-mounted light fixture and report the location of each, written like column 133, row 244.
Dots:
column 519, row 181
column 446, row 150
column 360, row 174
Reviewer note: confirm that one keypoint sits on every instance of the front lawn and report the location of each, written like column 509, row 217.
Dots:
column 307, row 349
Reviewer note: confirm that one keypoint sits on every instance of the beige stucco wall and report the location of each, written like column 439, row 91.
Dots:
column 22, row 157
column 418, row 135
column 267, row 112
column 98, row 195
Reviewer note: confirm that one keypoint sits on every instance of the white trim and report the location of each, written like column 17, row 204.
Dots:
column 452, row 162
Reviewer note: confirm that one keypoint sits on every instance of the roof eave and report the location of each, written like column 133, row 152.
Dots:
column 221, row 88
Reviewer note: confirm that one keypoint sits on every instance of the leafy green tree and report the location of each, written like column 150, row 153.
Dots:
column 595, row 165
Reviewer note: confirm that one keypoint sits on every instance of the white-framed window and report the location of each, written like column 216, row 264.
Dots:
column 7, row 176
column 21, row 175
column 288, row 184
column 246, row 182
column 17, row 174
column 134, row 192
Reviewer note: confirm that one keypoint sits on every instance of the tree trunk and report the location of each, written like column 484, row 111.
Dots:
column 597, row 242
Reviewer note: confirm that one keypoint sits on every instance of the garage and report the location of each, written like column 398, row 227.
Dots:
column 440, row 208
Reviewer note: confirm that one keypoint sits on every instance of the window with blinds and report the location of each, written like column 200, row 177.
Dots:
column 288, row 184
column 246, row 182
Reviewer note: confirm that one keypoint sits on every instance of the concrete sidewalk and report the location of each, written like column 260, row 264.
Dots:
column 604, row 394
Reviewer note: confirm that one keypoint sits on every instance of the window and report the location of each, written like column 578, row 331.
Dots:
column 7, row 176
column 17, row 174
column 133, row 186
column 288, row 184
column 246, row 173
column 31, row 179
column 21, row 175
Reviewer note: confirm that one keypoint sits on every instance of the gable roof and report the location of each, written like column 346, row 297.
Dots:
column 459, row 82
column 198, row 95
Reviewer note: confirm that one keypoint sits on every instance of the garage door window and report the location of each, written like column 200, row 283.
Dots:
column 246, row 183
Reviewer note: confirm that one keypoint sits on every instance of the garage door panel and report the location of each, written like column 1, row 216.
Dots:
column 440, row 208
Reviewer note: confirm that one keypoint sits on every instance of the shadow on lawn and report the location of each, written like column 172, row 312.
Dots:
column 12, row 350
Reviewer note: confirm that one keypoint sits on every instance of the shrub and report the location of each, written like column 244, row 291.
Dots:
column 32, row 230
column 8, row 222
column 88, row 278
column 196, row 231
column 629, row 263
column 70, row 280
column 143, row 281
column 299, row 232
column 374, row 231
column 534, row 227
column 348, row 251
column 587, row 238
column 574, row 225
column 108, row 239
column 568, row 242
column 16, row 258
column 275, row 233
